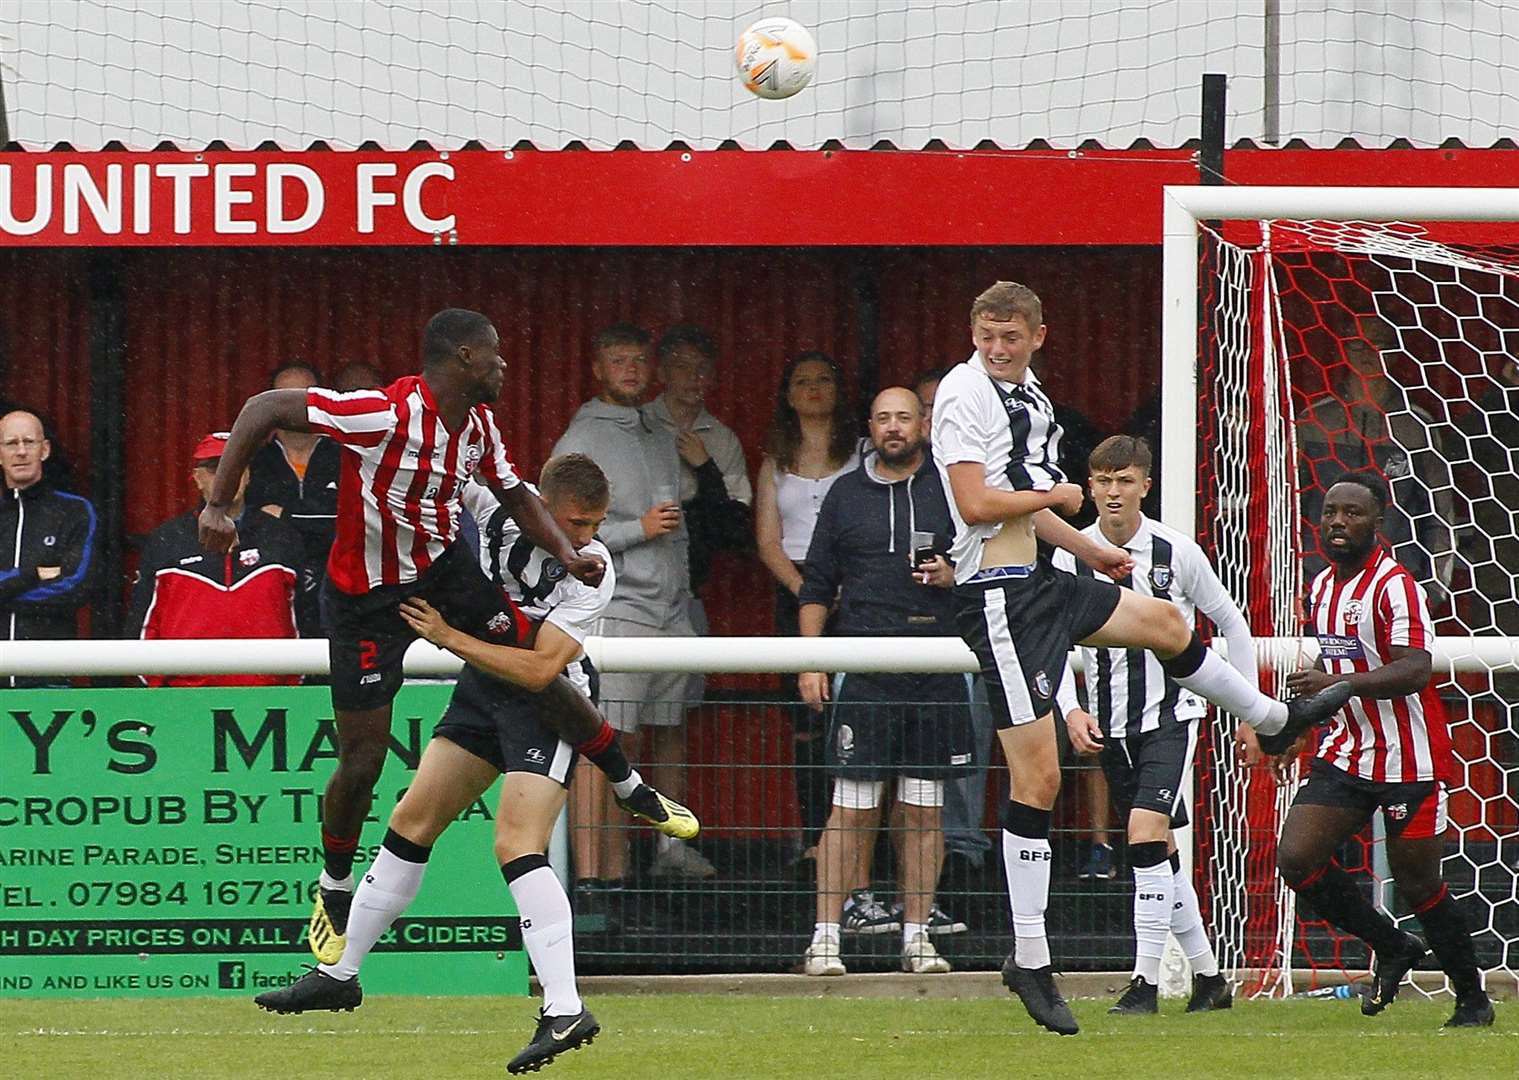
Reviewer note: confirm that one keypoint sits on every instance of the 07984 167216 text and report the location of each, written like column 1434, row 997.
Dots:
column 158, row 842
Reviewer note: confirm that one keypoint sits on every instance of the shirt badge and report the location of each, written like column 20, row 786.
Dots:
column 248, row 556
column 1160, row 578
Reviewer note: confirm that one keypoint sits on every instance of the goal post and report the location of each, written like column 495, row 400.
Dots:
column 1326, row 330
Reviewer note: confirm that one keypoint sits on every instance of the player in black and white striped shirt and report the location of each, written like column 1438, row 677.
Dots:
column 995, row 440
column 1145, row 727
column 495, row 725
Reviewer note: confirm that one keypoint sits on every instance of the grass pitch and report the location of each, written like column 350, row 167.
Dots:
column 678, row 1036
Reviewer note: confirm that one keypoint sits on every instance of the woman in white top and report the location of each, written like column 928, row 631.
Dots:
column 813, row 440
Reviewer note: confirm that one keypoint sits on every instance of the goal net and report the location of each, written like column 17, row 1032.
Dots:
column 1329, row 347
column 654, row 71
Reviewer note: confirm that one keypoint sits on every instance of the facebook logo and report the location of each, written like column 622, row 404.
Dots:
column 232, row 975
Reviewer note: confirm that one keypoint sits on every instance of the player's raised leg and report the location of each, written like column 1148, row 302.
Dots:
column 1143, row 622
column 449, row 779
column 575, row 493
column 529, row 806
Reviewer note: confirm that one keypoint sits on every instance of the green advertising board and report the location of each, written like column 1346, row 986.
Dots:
column 159, row 842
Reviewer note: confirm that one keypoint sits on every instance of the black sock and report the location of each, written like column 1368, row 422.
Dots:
column 604, row 750
column 1336, row 898
column 1026, row 821
column 1451, row 939
column 337, row 854
column 403, row 848
column 1149, row 853
column 1187, row 661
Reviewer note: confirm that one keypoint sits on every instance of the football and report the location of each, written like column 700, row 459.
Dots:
column 776, row 58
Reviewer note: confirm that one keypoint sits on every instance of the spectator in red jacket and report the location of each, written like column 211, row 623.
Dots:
column 184, row 591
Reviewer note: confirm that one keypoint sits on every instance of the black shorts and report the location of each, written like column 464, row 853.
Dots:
column 1145, row 771
column 1022, row 627
column 367, row 638
column 501, row 725
column 1412, row 811
column 884, row 725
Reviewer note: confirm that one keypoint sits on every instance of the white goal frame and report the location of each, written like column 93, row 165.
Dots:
column 1183, row 211
column 1184, row 208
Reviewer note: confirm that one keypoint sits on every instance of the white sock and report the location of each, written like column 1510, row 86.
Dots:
column 1218, row 681
column 1152, row 918
column 327, row 881
column 1187, row 925
column 547, row 937
column 825, row 931
column 911, row 930
column 1027, row 864
column 622, row 789
column 389, row 886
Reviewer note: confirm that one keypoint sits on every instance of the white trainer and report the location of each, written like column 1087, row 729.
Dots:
column 822, row 958
column 682, row 860
column 921, row 958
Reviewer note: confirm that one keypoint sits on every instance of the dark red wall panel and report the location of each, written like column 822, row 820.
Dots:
column 205, row 327
column 45, row 344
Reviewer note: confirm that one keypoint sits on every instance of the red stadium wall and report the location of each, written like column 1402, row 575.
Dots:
column 205, row 327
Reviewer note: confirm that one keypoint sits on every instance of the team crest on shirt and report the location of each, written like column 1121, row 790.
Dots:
column 499, row 623
column 248, row 556
column 1042, row 683
column 1160, row 577
column 1354, row 609
column 846, row 742
column 553, row 570
column 471, row 458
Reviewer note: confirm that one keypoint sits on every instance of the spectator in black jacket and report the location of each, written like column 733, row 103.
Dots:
column 877, row 551
column 715, row 493
column 47, row 542
column 294, row 477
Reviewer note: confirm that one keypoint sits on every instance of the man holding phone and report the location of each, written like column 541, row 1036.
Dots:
column 878, row 554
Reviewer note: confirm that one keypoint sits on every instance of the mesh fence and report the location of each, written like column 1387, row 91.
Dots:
column 756, row 908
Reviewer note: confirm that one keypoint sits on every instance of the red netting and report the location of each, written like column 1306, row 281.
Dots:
column 1328, row 349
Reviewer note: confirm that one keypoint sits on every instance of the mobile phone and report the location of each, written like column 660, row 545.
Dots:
column 923, row 547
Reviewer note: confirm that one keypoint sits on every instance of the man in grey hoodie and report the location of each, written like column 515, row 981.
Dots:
column 646, row 533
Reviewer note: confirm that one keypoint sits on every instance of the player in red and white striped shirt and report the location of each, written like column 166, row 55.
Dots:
column 410, row 448
column 1386, row 750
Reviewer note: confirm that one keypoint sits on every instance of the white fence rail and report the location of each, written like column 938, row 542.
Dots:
column 714, row 655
